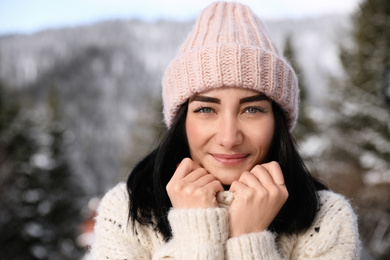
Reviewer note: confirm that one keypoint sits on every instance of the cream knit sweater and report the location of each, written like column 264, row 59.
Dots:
column 203, row 234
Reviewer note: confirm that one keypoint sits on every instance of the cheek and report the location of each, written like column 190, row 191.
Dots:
column 263, row 138
column 194, row 134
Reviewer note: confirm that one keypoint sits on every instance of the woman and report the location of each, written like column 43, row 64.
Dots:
column 226, row 181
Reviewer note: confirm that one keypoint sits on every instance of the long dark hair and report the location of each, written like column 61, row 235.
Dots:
column 149, row 202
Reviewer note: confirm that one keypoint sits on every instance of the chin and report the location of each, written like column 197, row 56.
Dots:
column 226, row 177
column 226, row 174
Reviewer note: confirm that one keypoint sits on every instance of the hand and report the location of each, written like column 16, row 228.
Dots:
column 191, row 186
column 259, row 196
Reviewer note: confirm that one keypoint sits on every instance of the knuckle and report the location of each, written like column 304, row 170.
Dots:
column 168, row 187
column 276, row 166
column 257, row 167
column 273, row 163
column 186, row 160
column 285, row 194
column 177, row 187
column 249, row 194
column 189, row 189
column 196, row 192
column 245, row 175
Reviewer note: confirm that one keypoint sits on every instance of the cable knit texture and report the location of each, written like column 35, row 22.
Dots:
column 203, row 234
column 229, row 47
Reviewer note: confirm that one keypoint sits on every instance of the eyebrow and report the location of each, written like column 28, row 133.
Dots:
column 205, row 99
column 253, row 98
column 259, row 97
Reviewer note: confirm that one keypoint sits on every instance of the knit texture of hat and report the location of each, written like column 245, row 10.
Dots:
column 229, row 47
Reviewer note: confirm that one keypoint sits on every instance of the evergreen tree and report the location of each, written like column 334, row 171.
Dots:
column 362, row 119
column 16, row 148
column 361, row 122
column 39, row 209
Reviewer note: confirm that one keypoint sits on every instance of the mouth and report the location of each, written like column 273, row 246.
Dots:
column 230, row 159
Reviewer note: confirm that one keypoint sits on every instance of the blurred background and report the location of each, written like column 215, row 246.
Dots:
column 80, row 104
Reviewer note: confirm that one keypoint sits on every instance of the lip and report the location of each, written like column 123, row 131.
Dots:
column 230, row 159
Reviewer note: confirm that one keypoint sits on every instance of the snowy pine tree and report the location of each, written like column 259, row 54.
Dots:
column 40, row 200
column 360, row 131
column 362, row 118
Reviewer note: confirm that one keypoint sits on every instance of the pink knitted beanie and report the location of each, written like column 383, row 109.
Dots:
column 229, row 47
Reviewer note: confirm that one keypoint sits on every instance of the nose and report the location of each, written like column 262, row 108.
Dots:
column 229, row 133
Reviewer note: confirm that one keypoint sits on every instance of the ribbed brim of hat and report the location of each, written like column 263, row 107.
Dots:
column 230, row 65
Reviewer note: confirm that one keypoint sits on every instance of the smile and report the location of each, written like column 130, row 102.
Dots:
column 230, row 159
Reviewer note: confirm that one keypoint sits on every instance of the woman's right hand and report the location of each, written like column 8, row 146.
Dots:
column 191, row 186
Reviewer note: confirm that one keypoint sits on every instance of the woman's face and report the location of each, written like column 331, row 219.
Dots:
column 229, row 131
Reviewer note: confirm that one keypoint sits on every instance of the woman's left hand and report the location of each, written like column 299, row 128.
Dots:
column 259, row 196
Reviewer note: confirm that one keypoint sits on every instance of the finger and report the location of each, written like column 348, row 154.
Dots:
column 237, row 186
column 196, row 174
column 215, row 186
column 262, row 174
column 243, row 192
column 275, row 172
column 185, row 167
column 250, row 180
column 204, row 180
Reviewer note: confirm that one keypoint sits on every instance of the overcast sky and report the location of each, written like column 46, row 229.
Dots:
column 27, row 16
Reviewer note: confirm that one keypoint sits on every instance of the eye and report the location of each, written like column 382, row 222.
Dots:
column 253, row 110
column 205, row 110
